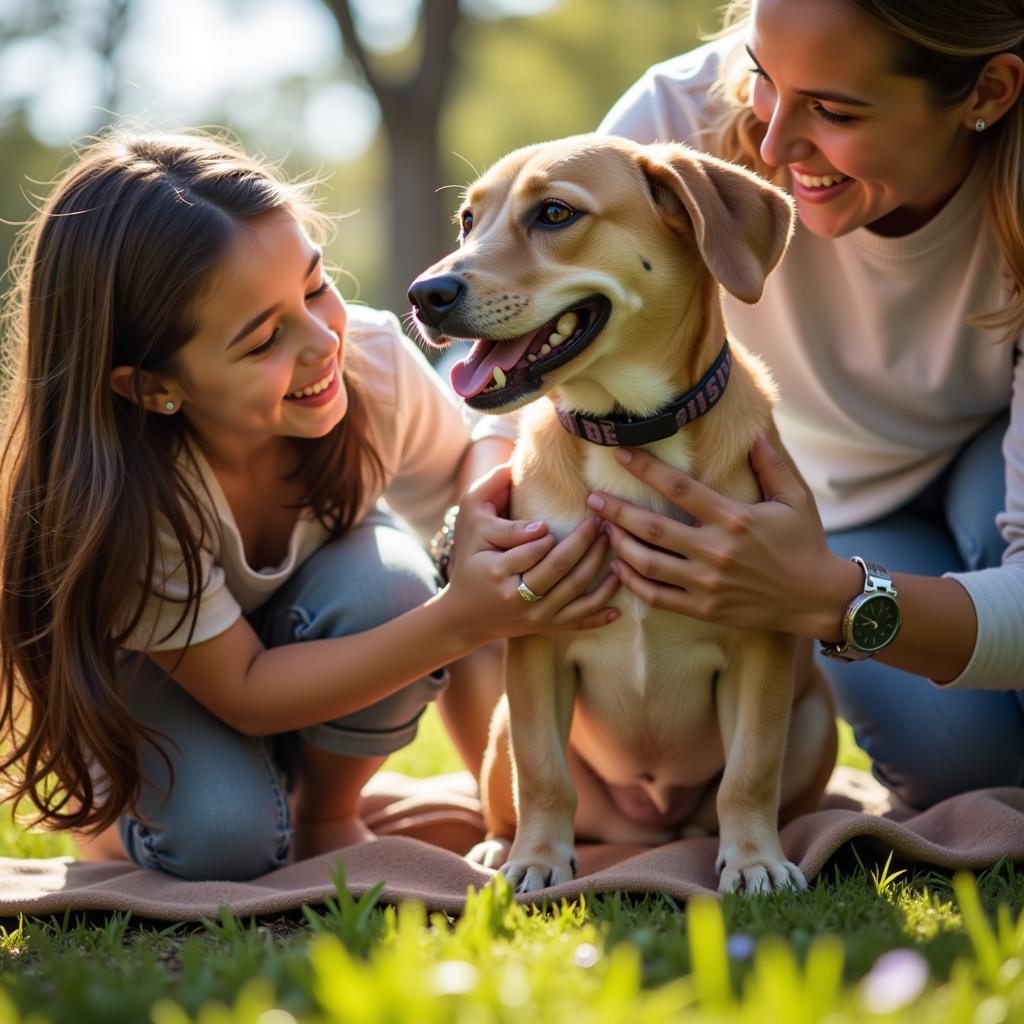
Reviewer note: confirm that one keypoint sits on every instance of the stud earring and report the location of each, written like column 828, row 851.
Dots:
column 979, row 125
column 169, row 406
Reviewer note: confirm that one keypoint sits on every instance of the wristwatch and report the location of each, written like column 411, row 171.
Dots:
column 871, row 620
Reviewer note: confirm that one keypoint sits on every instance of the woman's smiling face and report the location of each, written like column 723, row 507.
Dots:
column 864, row 145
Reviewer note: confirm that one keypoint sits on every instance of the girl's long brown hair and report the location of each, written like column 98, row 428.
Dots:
column 945, row 43
column 106, row 275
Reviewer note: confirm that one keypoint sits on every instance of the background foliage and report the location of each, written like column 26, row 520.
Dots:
column 506, row 79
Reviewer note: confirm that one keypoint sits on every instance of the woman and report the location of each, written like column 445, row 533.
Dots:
column 893, row 327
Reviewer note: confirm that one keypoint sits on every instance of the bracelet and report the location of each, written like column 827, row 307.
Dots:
column 442, row 543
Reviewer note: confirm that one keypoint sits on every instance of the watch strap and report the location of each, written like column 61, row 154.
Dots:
column 876, row 581
column 876, row 577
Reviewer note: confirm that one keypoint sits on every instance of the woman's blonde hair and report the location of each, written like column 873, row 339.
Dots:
column 946, row 43
column 109, row 273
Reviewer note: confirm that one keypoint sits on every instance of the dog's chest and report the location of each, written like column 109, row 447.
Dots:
column 603, row 472
column 646, row 681
column 645, row 690
column 600, row 471
column 646, row 652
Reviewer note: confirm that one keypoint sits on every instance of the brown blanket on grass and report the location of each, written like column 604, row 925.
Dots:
column 422, row 822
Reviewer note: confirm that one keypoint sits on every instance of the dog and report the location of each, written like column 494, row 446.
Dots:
column 589, row 273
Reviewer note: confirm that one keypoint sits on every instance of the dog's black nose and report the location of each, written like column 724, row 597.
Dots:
column 435, row 297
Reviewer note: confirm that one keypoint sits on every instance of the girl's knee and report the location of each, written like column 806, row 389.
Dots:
column 232, row 839
column 361, row 581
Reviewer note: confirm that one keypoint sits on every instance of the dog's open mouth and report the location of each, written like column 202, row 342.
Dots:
column 499, row 371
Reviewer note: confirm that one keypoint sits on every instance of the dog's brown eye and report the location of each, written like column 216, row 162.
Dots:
column 555, row 213
column 467, row 221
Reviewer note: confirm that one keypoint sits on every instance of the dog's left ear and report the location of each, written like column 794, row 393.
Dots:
column 741, row 223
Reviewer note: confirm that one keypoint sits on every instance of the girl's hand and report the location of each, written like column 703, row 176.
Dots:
column 763, row 566
column 491, row 555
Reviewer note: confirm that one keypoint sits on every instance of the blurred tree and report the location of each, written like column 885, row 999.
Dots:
column 411, row 108
column 114, row 25
column 26, row 161
column 558, row 73
column 474, row 80
column 25, row 167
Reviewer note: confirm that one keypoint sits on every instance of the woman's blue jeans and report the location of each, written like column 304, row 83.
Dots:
column 927, row 743
column 226, row 815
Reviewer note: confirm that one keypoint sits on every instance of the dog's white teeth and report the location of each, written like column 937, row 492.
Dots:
column 530, row 357
column 499, row 377
column 566, row 324
column 556, row 339
column 545, row 349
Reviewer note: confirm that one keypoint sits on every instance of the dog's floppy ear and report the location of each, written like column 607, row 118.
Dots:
column 741, row 223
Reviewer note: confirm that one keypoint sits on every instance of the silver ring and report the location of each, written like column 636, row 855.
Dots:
column 526, row 593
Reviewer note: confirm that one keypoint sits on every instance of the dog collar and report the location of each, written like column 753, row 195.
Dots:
column 629, row 432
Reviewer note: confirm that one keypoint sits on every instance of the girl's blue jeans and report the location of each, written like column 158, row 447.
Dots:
column 226, row 814
column 927, row 743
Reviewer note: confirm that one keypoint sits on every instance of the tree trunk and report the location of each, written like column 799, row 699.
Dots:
column 416, row 210
column 411, row 112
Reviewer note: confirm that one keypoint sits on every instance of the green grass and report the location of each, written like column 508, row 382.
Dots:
column 830, row 954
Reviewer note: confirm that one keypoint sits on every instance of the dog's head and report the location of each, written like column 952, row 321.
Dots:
column 578, row 258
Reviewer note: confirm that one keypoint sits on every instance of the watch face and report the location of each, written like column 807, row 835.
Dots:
column 875, row 622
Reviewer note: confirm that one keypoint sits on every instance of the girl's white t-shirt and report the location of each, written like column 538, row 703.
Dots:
column 415, row 427
column 881, row 380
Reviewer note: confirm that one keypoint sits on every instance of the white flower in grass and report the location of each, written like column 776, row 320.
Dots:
column 453, row 978
column 514, row 987
column 994, row 1010
column 895, row 981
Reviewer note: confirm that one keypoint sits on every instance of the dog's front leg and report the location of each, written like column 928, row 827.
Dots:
column 541, row 690
column 754, row 696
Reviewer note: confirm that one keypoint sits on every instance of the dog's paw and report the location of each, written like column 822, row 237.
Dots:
column 491, row 853
column 528, row 871
column 759, row 872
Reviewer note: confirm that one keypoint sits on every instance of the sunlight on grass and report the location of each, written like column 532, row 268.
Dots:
column 18, row 841
column 431, row 753
column 597, row 960
column 879, row 942
column 849, row 753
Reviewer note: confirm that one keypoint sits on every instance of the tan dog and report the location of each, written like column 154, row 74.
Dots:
column 590, row 267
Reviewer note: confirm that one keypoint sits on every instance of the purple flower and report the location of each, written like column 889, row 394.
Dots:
column 740, row 947
column 896, row 980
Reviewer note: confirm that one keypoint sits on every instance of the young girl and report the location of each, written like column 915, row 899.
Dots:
column 195, row 558
column 894, row 327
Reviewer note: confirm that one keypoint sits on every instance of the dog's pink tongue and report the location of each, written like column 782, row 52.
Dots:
column 471, row 375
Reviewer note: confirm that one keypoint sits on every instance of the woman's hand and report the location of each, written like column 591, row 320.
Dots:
column 492, row 555
column 763, row 566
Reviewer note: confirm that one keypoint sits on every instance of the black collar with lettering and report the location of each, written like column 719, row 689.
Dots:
column 628, row 431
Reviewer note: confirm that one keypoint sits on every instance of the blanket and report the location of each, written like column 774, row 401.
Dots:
column 424, row 825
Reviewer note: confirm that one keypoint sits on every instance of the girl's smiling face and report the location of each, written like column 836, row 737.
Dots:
column 266, row 358
column 864, row 145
